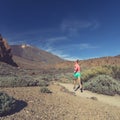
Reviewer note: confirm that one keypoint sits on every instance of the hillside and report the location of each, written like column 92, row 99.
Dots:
column 111, row 60
column 32, row 57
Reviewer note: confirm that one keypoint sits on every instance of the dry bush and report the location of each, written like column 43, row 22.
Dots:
column 45, row 90
column 103, row 84
column 92, row 72
column 7, row 104
column 21, row 81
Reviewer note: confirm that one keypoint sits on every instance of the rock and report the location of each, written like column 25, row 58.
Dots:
column 5, row 52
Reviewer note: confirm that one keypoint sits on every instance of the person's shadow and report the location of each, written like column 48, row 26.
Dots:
column 20, row 104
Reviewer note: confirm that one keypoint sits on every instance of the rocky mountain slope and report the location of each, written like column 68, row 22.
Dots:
column 34, row 54
column 31, row 57
column 5, row 52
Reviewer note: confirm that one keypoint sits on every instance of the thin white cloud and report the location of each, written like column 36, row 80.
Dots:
column 60, row 53
column 81, row 46
column 33, row 36
column 71, row 47
column 55, row 39
column 17, row 42
column 26, row 36
column 64, row 56
column 51, row 41
column 87, row 46
column 75, row 26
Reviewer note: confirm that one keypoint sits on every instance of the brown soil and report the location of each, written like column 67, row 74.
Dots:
column 111, row 100
column 59, row 105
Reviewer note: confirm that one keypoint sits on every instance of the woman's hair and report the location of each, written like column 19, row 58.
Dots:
column 0, row 37
column 77, row 61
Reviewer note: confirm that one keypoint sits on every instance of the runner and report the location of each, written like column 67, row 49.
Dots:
column 77, row 76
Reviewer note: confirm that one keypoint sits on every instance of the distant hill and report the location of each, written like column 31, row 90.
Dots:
column 109, row 60
column 32, row 57
column 117, row 56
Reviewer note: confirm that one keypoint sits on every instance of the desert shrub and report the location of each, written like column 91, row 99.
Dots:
column 43, row 83
column 21, row 81
column 66, row 77
column 15, row 81
column 89, row 73
column 47, row 77
column 56, row 77
column 103, row 84
column 115, row 72
column 7, row 104
column 45, row 90
column 41, row 80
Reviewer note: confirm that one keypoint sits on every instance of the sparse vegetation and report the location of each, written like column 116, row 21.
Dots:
column 92, row 72
column 65, row 77
column 45, row 90
column 21, row 81
column 7, row 104
column 115, row 71
column 43, row 83
column 103, row 84
column 16, row 81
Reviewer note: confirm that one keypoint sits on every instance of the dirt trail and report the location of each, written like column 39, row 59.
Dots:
column 111, row 100
column 60, row 105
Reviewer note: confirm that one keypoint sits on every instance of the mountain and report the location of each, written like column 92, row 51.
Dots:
column 26, row 55
column 33, row 58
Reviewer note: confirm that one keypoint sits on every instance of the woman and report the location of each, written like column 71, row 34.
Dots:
column 77, row 75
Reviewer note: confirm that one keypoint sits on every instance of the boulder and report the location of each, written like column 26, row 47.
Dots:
column 5, row 52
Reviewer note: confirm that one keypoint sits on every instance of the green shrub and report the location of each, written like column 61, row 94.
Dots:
column 7, row 104
column 116, row 72
column 21, row 81
column 89, row 73
column 66, row 77
column 15, row 81
column 103, row 84
column 43, row 83
column 45, row 90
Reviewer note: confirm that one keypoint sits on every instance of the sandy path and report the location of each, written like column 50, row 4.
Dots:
column 111, row 100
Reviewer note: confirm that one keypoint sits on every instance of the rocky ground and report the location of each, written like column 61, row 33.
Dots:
column 59, row 105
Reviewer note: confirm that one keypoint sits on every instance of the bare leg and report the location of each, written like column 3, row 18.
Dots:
column 74, row 82
column 79, row 81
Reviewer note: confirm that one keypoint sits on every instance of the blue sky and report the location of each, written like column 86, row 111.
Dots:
column 71, row 29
